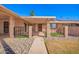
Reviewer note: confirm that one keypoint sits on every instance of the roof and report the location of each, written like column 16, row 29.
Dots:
column 38, row 16
column 39, row 19
column 33, row 19
column 7, row 12
column 29, row 19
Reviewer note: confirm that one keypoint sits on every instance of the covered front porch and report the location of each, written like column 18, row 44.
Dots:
column 11, row 26
column 40, row 25
column 9, row 21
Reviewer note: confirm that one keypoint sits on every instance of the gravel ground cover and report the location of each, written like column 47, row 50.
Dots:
column 17, row 45
column 1, row 49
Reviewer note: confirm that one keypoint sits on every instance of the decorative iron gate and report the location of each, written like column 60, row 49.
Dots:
column 20, row 30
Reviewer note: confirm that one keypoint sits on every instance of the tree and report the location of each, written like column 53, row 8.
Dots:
column 32, row 13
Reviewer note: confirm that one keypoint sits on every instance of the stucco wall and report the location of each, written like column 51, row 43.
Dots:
column 19, row 22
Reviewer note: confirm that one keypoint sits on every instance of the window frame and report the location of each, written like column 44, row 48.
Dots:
column 53, row 25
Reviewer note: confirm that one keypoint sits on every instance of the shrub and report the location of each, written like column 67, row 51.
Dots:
column 56, row 34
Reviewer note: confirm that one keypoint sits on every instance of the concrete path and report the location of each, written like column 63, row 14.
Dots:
column 38, row 46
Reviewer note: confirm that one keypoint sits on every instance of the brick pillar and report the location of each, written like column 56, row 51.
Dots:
column 27, row 28
column 66, row 31
column 48, row 30
column 30, row 31
column 43, row 28
column 36, row 27
column 11, row 27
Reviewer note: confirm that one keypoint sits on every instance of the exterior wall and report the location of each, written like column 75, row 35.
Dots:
column 59, row 25
column 44, row 28
column 19, row 22
column 35, row 28
column 53, row 30
column 2, row 25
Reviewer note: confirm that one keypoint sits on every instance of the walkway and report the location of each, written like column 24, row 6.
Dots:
column 38, row 46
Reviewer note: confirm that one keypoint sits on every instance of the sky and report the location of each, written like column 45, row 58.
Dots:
column 61, row 11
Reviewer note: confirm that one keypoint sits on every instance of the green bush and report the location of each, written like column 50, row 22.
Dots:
column 56, row 34
column 22, row 36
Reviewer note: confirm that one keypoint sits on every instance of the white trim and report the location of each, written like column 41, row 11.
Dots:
column 38, row 16
column 64, row 22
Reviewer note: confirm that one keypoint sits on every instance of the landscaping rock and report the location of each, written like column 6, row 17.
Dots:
column 19, row 46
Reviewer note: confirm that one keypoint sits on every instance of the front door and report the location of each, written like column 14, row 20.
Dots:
column 6, row 27
column 40, row 27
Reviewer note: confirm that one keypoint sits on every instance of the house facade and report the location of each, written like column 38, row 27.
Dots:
column 12, row 25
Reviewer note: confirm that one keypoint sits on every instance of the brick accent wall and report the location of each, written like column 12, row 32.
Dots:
column 74, row 31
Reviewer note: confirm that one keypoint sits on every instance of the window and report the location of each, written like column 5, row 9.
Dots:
column 53, row 25
column 6, row 27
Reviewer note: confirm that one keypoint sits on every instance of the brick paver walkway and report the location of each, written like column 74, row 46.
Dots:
column 38, row 46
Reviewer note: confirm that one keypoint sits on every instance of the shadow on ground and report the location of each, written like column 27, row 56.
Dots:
column 6, row 47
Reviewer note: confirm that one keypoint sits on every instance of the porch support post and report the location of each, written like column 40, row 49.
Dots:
column 36, row 27
column 30, row 31
column 43, row 28
column 48, row 30
column 27, row 28
column 11, row 27
column 66, row 31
